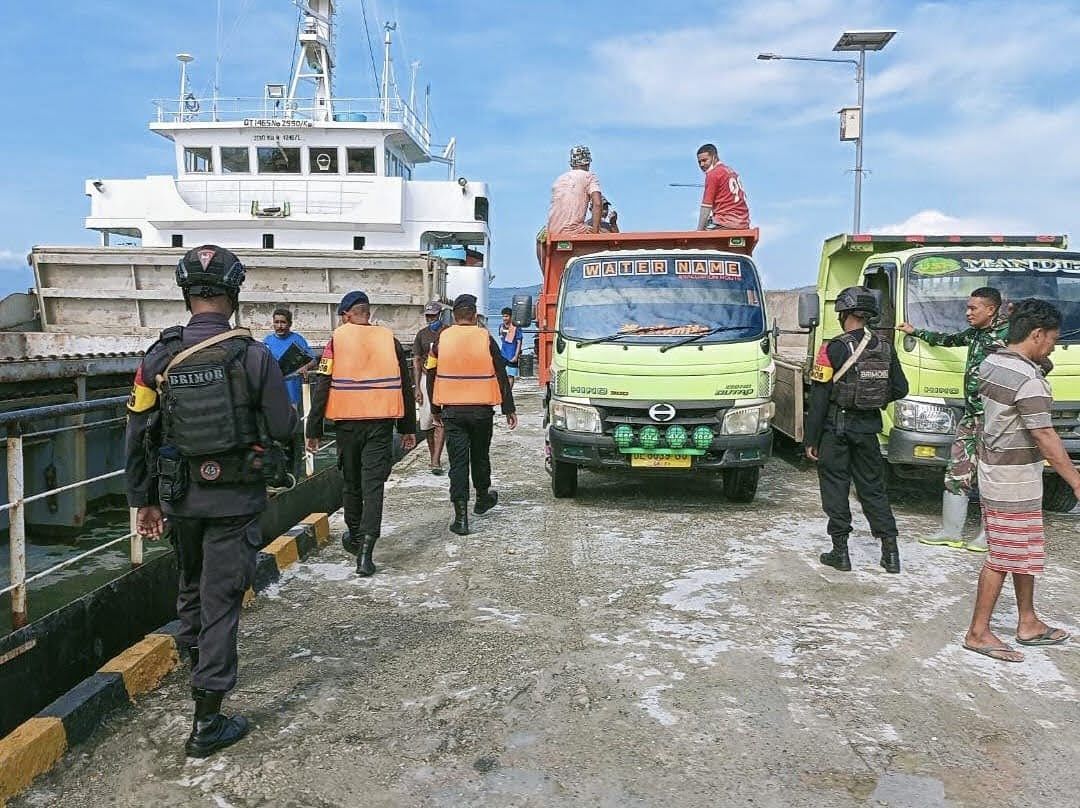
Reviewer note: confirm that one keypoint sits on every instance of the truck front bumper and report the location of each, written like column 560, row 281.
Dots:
column 918, row 448
column 591, row 451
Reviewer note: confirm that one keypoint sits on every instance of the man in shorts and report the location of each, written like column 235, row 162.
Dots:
column 510, row 341
column 1016, row 441
column 436, row 437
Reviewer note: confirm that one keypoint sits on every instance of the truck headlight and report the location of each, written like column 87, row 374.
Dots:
column 747, row 420
column 575, row 417
column 921, row 416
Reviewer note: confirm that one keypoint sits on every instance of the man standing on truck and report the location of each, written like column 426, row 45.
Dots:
column 855, row 376
column 1016, row 442
column 207, row 405
column 469, row 379
column 987, row 334
column 724, row 205
column 363, row 385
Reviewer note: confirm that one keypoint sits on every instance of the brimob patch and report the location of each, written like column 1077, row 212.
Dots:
column 210, row 470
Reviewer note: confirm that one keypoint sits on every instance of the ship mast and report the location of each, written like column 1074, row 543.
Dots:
column 316, row 60
column 389, row 85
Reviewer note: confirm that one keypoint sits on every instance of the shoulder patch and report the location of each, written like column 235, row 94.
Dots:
column 142, row 398
column 822, row 370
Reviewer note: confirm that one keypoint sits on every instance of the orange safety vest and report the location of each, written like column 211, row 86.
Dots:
column 465, row 373
column 365, row 378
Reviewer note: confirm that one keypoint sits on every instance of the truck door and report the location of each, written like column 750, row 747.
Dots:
column 881, row 278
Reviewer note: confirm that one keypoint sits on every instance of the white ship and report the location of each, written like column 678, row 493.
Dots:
column 315, row 192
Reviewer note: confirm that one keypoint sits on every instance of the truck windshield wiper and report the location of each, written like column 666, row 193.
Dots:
column 702, row 335
column 641, row 329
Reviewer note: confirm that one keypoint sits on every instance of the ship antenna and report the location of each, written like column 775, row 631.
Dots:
column 388, row 68
column 413, row 68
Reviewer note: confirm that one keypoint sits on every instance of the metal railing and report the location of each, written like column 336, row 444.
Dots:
column 280, row 113
column 15, row 423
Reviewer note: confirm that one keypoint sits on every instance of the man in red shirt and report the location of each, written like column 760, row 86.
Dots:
column 724, row 205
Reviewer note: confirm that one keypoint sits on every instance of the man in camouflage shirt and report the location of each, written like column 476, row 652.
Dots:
column 988, row 333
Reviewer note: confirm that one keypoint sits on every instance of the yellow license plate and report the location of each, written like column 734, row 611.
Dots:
column 651, row 461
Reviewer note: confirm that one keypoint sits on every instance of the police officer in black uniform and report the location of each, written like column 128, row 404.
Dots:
column 477, row 382
column 854, row 377
column 207, row 407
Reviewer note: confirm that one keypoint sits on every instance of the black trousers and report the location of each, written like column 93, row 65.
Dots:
column 217, row 564
column 468, row 442
column 365, row 454
column 854, row 456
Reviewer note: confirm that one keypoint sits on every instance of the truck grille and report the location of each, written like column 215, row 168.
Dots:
column 612, row 417
column 1066, row 422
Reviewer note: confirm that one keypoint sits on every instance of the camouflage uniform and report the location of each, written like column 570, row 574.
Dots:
column 960, row 473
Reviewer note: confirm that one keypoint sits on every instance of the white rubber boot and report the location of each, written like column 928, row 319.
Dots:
column 978, row 544
column 953, row 513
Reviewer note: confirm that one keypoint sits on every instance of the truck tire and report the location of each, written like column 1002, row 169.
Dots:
column 1057, row 495
column 563, row 479
column 740, row 485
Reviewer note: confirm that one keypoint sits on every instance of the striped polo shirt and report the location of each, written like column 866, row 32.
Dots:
column 1016, row 399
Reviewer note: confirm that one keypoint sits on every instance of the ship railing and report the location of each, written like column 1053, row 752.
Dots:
column 284, row 114
column 324, row 196
column 16, row 424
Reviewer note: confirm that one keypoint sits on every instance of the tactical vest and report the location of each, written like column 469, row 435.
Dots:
column 207, row 406
column 865, row 386
column 465, row 373
column 365, row 381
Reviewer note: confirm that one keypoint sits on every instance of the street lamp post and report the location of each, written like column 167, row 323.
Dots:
column 850, row 42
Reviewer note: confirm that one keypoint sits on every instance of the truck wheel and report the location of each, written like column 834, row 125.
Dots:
column 563, row 479
column 740, row 485
column 1057, row 495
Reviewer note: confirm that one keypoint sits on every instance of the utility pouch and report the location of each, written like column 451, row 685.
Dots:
column 266, row 465
column 172, row 473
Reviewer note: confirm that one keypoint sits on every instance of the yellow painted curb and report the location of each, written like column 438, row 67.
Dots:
column 145, row 663
column 284, row 551
column 29, row 750
column 320, row 524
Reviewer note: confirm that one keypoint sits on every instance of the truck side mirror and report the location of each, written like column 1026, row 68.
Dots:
column 521, row 309
column 809, row 306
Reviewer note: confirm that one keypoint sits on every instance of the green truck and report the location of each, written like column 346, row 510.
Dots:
column 926, row 280
column 655, row 354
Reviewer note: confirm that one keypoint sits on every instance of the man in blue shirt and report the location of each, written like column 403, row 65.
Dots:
column 279, row 342
column 510, row 339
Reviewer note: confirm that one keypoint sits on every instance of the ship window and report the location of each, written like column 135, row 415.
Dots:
column 323, row 161
column 480, row 209
column 358, row 242
column 278, row 160
column 268, row 241
column 234, row 160
column 177, row 239
column 361, row 161
column 198, row 160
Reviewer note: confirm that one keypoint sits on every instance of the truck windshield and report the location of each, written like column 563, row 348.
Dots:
column 938, row 286
column 660, row 298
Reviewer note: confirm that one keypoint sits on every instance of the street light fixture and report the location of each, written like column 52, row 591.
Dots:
column 851, row 117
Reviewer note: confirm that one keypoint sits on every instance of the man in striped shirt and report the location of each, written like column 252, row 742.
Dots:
column 1017, row 436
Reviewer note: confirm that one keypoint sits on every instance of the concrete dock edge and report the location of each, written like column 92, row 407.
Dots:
column 36, row 745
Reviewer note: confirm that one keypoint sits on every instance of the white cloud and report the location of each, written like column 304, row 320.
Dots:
column 936, row 223
column 13, row 258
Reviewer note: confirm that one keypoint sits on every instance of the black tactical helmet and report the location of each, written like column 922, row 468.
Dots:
column 209, row 271
column 857, row 298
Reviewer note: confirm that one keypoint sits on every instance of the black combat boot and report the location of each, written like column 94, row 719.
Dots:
column 349, row 544
column 365, row 567
column 460, row 525
column 838, row 557
column 485, row 501
column 212, row 730
column 890, row 555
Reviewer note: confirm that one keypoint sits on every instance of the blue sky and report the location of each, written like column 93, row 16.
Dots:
column 971, row 124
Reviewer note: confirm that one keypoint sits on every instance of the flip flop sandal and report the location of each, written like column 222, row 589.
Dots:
column 932, row 541
column 991, row 650
column 1046, row 638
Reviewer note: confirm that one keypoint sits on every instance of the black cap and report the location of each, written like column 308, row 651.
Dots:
column 352, row 299
column 465, row 302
